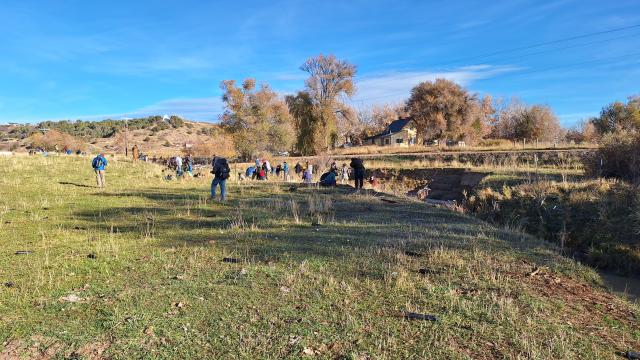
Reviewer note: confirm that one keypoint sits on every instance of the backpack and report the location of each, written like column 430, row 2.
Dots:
column 97, row 162
column 223, row 171
column 357, row 164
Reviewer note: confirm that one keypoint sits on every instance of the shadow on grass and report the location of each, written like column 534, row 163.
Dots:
column 159, row 194
column 259, row 225
column 76, row 185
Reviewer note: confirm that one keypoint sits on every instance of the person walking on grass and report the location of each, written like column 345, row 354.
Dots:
column 358, row 172
column 344, row 176
column 135, row 152
column 98, row 164
column 266, row 167
column 298, row 169
column 221, row 173
column 179, row 167
column 285, row 170
column 189, row 165
column 307, row 177
column 309, row 168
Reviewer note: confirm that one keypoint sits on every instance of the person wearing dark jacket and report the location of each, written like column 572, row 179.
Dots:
column 221, row 173
column 358, row 172
column 328, row 178
column 298, row 169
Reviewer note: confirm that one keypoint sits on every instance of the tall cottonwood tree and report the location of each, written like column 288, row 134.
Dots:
column 441, row 109
column 538, row 122
column 257, row 118
column 308, row 129
column 619, row 116
column 515, row 120
column 319, row 105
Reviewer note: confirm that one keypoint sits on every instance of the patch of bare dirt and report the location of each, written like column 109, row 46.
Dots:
column 92, row 351
column 589, row 309
column 38, row 348
column 434, row 183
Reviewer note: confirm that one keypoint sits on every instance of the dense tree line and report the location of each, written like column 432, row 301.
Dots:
column 108, row 128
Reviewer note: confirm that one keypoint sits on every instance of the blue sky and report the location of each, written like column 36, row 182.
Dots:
column 97, row 59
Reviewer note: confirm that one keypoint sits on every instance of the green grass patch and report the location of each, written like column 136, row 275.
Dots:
column 137, row 271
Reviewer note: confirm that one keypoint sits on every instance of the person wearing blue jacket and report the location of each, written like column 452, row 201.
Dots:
column 251, row 170
column 98, row 164
column 328, row 179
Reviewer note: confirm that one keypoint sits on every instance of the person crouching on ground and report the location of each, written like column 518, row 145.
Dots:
column 261, row 174
column 221, row 173
column 98, row 164
column 329, row 178
column 250, row 173
column 373, row 182
column 358, row 172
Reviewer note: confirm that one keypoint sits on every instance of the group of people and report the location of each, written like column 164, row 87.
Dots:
column 181, row 166
column 263, row 168
column 260, row 171
column 357, row 168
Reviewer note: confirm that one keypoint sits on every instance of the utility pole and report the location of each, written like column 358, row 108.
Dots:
column 126, row 136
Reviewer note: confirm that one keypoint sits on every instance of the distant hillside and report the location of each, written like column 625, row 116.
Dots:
column 154, row 135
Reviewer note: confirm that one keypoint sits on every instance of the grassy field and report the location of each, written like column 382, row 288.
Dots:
column 137, row 271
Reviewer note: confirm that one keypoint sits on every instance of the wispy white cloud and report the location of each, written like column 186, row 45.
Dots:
column 152, row 65
column 200, row 109
column 395, row 87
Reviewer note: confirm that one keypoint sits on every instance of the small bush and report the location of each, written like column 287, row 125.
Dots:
column 498, row 143
column 146, row 139
column 176, row 121
column 618, row 157
column 596, row 221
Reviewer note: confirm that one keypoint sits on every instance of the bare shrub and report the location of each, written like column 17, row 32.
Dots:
column 53, row 138
column 222, row 145
column 618, row 157
column 320, row 208
column 295, row 211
